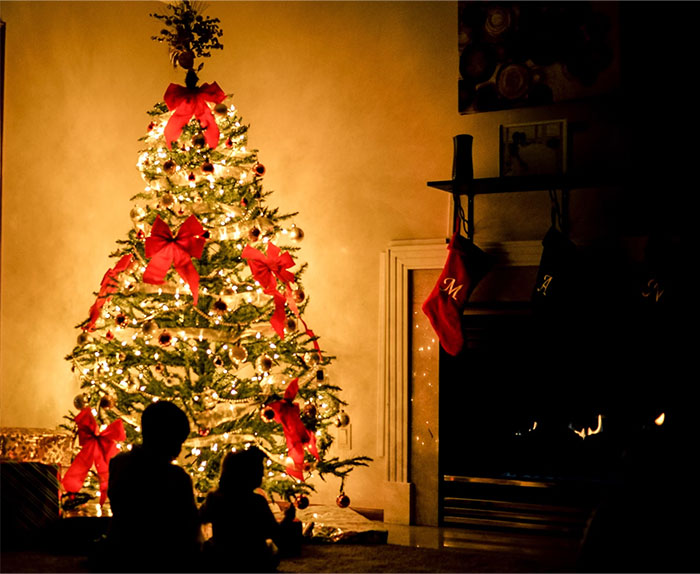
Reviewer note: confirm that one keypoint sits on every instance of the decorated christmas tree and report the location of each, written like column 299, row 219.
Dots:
column 204, row 306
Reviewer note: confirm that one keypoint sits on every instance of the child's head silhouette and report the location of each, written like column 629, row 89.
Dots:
column 164, row 427
column 242, row 470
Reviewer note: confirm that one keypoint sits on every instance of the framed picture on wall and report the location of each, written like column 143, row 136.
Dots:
column 537, row 148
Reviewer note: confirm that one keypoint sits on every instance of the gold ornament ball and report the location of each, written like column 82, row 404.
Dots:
column 83, row 338
column 80, row 401
column 264, row 364
column 167, row 200
column 296, row 233
column 149, row 327
column 342, row 419
column 237, row 353
column 221, row 109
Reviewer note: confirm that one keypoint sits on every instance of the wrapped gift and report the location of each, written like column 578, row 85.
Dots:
column 46, row 446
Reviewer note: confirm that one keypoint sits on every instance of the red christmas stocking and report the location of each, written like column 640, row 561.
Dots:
column 466, row 265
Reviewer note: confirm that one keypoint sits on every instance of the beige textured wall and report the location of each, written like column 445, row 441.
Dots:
column 352, row 106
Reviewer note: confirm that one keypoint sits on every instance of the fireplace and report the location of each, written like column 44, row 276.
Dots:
column 532, row 425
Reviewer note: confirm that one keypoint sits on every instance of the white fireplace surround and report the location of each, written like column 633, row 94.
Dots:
column 400, row 259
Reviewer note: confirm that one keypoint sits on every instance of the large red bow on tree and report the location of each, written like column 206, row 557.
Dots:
column 108, row 286
column 166, row 250
column 188, row 102
column 266, row 269
column 297, row 435
column 98, row 449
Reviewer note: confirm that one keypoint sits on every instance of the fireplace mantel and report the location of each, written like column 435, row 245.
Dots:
column 400, row 259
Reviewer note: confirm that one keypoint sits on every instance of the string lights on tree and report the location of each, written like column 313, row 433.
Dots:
column 205, row 304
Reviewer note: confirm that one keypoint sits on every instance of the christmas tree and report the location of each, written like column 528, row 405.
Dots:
column 205, row 304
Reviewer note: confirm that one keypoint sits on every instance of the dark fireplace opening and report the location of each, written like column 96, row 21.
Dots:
column 543, row 415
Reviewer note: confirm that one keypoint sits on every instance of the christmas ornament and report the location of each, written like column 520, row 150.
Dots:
column 254, row 234
column 296, row 233
column 121, row 320
column 107, row 402
column 164, row 339
column 219, row 307
column 267, row 414
column 237, row 354
column 297, row 435
column 97, row 449
column 166, row 250
column 149, row 328
column 342, row 419
column 259, row 169
column 188, row 102
column 208, row 167
column 343, row 500
column 80, row 401
column 169, row 167
column 167, row 200
column 264, row 364
column 83, row 338
column 302, row 502
column 218, row 361
column 221, row 109
column 290, row 325
column 109, row 285
column 466, row 265
column 186, row 59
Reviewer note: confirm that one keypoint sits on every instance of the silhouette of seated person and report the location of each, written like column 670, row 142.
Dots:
column 246, row 536
column 155, row 525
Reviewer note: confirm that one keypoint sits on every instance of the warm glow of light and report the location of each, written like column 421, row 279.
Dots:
column 658, row 421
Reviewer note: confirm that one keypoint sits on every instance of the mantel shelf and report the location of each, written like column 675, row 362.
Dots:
column 511, row 184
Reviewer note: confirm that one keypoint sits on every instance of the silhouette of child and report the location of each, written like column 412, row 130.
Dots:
column 155, row 525
column 242, row 523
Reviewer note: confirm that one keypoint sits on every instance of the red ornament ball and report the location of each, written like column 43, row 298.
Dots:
column 259, row 169
column 302, row 502
column 186, row 59
column 343, row 500
column 106, row 402
column 208, row 167
column 164, row 338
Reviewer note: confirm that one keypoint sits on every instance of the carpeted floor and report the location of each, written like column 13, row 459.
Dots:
column 330, row 558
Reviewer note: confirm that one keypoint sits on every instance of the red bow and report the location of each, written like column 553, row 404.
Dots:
column 178, row 251
column 98, row 448
column 188, row 102
column 266, row 267
column 108, row 286
column 297, row 435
